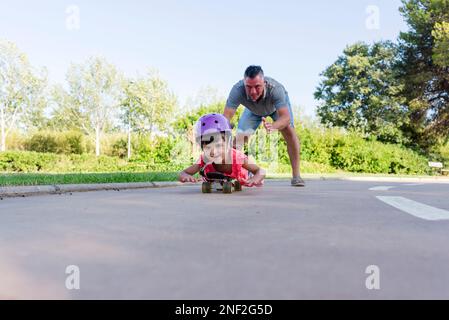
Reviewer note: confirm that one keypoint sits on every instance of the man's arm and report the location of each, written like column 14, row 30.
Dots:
column 281, row 123
column 281, row 105
column 284, row 119
column 232, row 103
column 229, row 113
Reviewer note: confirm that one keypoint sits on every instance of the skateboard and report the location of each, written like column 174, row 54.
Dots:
column 220, row 182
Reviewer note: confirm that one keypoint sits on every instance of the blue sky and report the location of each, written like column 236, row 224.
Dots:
column 195, row 44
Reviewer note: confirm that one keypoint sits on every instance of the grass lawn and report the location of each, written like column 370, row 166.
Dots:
column 32, row 179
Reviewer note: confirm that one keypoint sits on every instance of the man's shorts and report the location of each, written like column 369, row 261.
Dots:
column 249, row 122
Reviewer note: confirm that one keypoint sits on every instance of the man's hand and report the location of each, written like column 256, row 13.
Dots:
column 281, row 123
column 184, row 177
column 268, row 126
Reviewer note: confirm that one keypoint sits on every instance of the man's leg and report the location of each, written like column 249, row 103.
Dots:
column 293, row 149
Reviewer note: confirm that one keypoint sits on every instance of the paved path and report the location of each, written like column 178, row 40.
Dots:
column 275, row 242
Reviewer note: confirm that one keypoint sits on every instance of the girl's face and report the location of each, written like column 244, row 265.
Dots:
column 215, row 151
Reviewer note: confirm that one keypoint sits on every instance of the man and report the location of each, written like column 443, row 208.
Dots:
column 265, row 97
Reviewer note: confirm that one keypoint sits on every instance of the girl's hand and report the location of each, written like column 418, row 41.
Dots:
column 184, row 177
column 255, row 181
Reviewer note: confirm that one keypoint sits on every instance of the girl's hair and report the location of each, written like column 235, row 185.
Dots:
column 206, row 140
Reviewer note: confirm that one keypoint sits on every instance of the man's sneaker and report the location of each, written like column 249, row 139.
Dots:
column 298, row 182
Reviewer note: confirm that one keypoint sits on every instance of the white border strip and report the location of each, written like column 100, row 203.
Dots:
column 381, row 188
column 416, row 209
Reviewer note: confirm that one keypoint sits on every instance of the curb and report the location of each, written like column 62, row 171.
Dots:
column 391, row 179
column 10, row 192
column 442, row 180
column 386, row 179
column 23, row 191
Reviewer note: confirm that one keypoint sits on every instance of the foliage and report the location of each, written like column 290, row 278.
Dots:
column 424, row 71
column 22, row 91
column 148, row 104
column 96, row 87
column 70, row 142
column 360, row 92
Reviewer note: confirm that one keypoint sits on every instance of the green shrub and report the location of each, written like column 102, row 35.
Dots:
column 321, row 150
column 71, row 142
column 353, row 153
column 120, row 148
column 15, row 140
column 44, row 142
column 317, row 144
column 16, row 161
column 108, row 142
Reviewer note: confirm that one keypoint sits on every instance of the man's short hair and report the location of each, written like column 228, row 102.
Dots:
column 253, row 71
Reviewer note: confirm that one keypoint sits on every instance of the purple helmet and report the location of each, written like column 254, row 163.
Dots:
column 211, row 124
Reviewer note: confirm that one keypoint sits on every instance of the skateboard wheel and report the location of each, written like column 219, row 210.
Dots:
column 237, row 186
column 206, row 187
column 227, row 187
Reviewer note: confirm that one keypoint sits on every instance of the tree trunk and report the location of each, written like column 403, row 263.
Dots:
column 129, row 141
column 3, row 134
column 97, row 141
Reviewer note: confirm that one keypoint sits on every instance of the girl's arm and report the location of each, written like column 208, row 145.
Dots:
column 258, row 174
column 187, row 174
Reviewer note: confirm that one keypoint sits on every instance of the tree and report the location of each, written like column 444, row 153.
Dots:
column 186, row 121
column 441, row 48
column 206, row 96
column 424, row 69
column 21, row 91
column 65, row 111
column 360, row 92
column 95, row 88
column 147, row 105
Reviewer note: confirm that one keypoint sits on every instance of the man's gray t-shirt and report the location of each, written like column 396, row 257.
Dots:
column 275, row 97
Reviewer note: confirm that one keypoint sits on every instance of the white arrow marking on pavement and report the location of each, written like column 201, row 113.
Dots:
column 382, row 188
column 416, row 209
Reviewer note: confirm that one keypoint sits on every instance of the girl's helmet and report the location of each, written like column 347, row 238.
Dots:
column 210, row 125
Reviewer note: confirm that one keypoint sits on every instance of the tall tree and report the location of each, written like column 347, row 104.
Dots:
column 65, row 111
column 441, row 49
column 148, row 105
column 95, row 88
column 425, row 70
column 22, row 91
column 360, row 92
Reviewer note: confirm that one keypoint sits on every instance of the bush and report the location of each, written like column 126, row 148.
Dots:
column 43, row 142
column 353, row 153
column 15, row 140
column 162, row 152
column 120, row 148
column 16, row 161
column 317, row 144
column 70, row 142
column 350, row 152
column 321, row 150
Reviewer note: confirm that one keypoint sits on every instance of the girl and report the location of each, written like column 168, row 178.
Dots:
column 213, row 133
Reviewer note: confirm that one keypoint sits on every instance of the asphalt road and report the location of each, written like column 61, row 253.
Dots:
column 275, row 242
